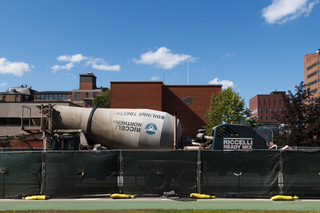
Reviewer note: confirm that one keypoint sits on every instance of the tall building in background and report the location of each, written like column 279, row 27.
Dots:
column 263, row 107
column 312, row 72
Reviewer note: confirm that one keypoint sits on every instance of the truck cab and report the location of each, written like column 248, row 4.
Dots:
column 65, row 142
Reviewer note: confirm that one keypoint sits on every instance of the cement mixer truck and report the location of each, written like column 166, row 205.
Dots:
column 74, row 128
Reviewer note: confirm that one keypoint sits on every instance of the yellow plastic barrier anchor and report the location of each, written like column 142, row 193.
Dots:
column 36, row 197
column 121, row 196
column 201, row 196
column 283, row 197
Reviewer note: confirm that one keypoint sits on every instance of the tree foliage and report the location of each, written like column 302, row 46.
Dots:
column 299, row 121
column 228, row 106
column 102, row 101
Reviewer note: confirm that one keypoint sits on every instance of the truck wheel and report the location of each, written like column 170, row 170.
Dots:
column 158, row 179
column 187, row 180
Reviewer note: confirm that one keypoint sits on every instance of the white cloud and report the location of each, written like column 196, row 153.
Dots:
column 155, row 78
column 163, row 58
column 282, row 11
column 3, row 84
column 225, row 83
column 97, row 63
column 100, row 64
column 72, row 58
column 16, row 68
column 229, row 55
column 56, row 68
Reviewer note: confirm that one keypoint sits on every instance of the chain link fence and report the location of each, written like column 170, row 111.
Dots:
column 256, row 173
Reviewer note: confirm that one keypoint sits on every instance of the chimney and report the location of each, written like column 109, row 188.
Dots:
column 88, row 81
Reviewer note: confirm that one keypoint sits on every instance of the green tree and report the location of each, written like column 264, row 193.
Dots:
column 228, row 106
column 102, row 101
column 299, row 121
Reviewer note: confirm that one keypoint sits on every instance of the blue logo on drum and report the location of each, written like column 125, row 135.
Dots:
column 151, row 129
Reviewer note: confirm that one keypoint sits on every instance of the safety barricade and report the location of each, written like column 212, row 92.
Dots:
column 255, row 173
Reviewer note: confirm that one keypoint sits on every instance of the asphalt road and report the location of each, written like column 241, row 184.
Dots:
column 158, row 203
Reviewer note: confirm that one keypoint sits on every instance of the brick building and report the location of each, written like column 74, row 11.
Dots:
column 82, row 97
column 87, row 91
column 312, row 72
column 264, row 107
column 12, row 99
column 17, row 94
column 190, row 102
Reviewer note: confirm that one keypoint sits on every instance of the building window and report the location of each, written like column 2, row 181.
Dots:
column 68, row 96
column 51, row 96
column 62, row 97
column 312, row 83
column 188, row 100
column 46, row 97
column 94, row 94
column 87, row 95
column 4, row 98
column 55, row 97
column 266, row 117
column 275, row 110
column 59, row 96
column 271, row 117
column 77, row 95
column 266, row 110
column 313, row 74
column 313, row 91
column 260, row 117
column 311, row 66
column 260, row 110
column 270, row 110
column 38, row 96
column 16, row 99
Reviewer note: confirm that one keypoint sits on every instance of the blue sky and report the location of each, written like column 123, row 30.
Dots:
column 254, row 46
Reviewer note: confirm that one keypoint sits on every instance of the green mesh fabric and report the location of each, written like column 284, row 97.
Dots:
column 239, row 173
column 20, row 174
column 156, row 172
column 81, row 173
column 301, row 173
column 256, row 173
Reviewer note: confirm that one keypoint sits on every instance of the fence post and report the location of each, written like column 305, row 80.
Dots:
column 43, row 173
column 199, row 171
column 120, row 175
column 280, row 174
